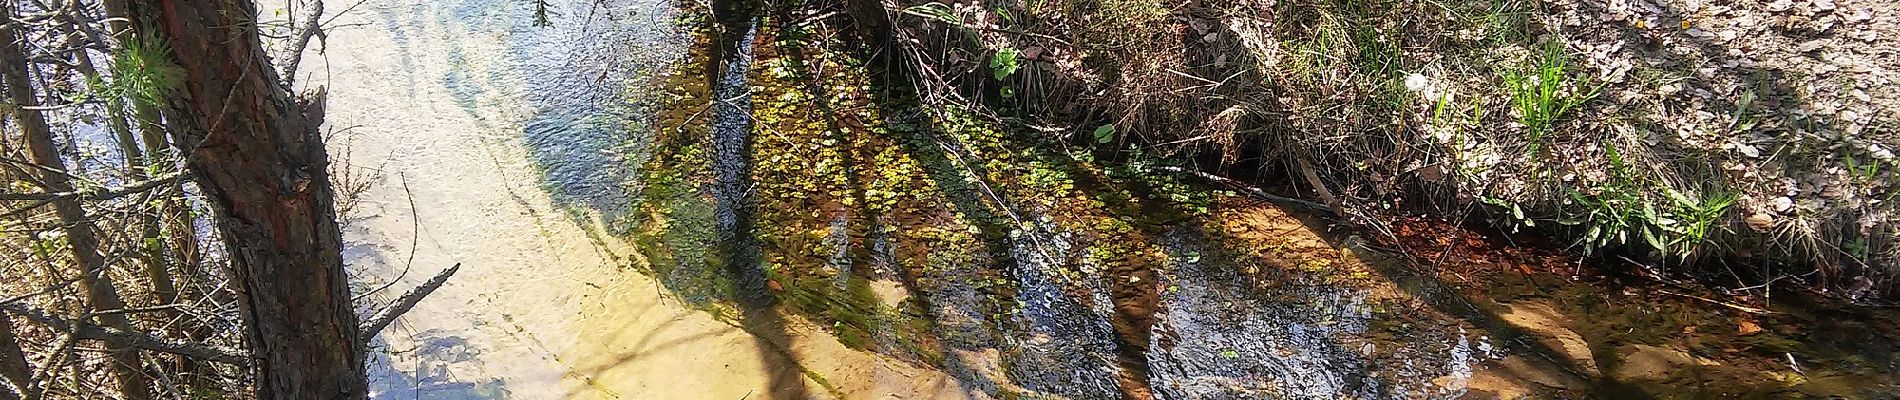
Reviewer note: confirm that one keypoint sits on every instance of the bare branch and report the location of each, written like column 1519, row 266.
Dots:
column 311, row 28
column 98, row 194
column 406, row 302
column 139, row 340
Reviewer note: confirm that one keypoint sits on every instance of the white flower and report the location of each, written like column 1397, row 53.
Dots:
column 1416, row 82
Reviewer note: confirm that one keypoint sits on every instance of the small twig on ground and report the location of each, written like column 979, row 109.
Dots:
column 1457, row 233
column 406, row 302
column 1767, row 286
column 131, row 310
column 988, row 28
column 59, row 355
column 48, row 289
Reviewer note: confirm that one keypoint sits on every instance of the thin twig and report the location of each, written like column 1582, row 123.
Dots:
column 98, row 194
column 48, row 289
column 415, row 235
column 60, row 353
column 131, row 310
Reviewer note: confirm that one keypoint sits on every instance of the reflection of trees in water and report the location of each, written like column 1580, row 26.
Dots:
column 425, row 373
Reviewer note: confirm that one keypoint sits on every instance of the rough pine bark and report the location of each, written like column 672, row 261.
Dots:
column 258, row 155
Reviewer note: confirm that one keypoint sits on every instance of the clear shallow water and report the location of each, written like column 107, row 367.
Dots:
column 510, row 149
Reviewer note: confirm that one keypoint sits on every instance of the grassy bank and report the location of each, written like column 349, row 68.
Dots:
column 1744, row 142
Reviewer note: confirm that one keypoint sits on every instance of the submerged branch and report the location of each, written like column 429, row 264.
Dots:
column 1736, row 307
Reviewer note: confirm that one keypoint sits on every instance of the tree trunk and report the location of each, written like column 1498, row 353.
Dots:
column 18, row 375
column 97, row 285
column 261, row 162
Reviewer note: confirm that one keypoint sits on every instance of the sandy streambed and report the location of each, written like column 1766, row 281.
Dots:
column 495, row 144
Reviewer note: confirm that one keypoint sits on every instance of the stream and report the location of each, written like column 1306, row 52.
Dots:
column 515, row 150
column 505, row 147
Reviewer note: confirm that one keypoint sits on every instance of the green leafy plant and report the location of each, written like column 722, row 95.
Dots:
column 1618, row 211
column 1689, row 223
column 1613, row 211
column 1542, row 92
column 1004, row 62
column 1456, row 117
column 1744, row 118
column 1105, row 133
column 1862, row 170
column 1506, row 22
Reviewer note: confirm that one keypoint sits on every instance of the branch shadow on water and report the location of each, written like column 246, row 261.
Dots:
column 961, row 306
column 1200, row 327
column 737, row 242
column 1054, row 344
column 430, row 376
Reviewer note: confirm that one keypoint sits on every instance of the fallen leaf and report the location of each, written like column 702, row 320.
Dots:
column 1748, row 328
column 1760, row 222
